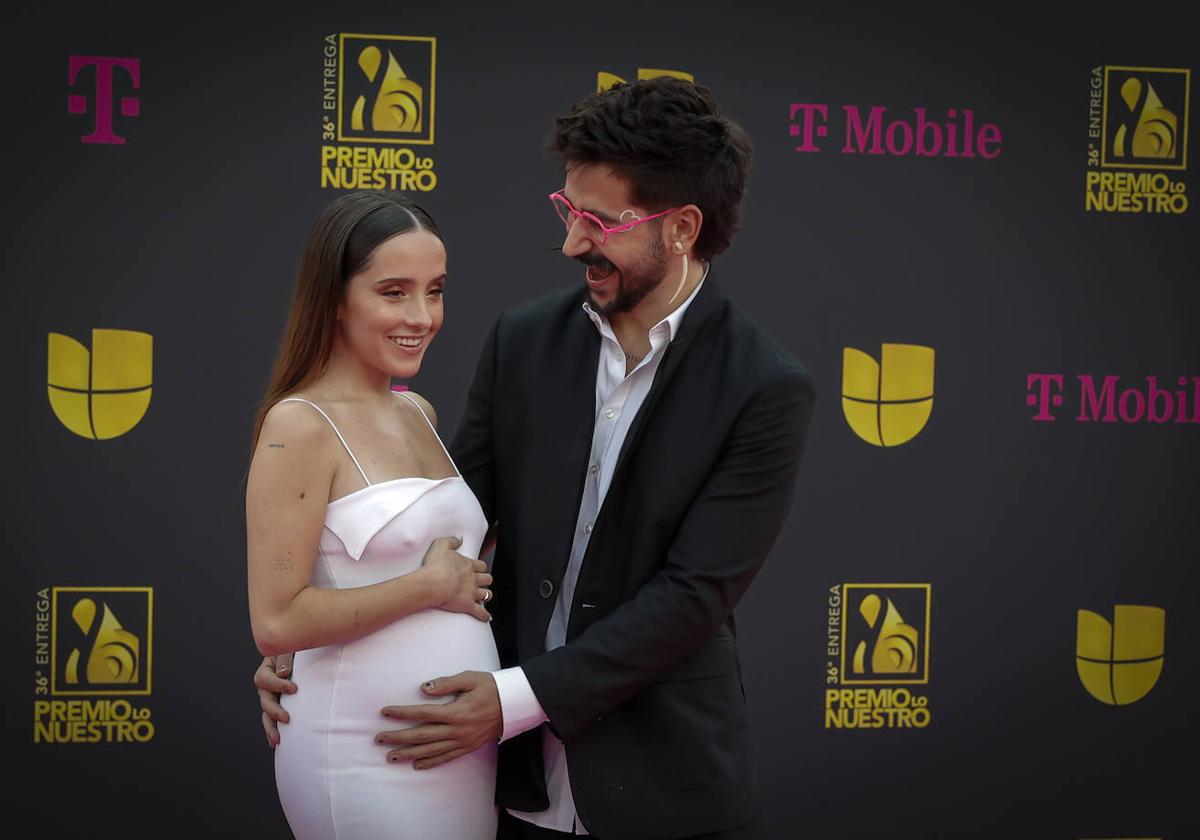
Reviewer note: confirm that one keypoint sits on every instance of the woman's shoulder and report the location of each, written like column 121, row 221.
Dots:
column 297, row 418
column 295, row 443
column 425, row 405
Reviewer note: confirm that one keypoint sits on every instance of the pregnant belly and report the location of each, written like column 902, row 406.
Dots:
column 347, row 685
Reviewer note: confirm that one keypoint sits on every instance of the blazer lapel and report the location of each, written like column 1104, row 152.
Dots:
column 571, row 388
column 706, row 305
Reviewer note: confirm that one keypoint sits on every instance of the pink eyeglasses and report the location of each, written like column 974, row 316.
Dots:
column 593, row 228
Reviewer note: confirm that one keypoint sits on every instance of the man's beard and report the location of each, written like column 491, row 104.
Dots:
column 636, row 281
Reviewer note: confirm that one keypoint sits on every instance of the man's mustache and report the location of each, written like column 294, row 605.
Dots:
column 597, row 266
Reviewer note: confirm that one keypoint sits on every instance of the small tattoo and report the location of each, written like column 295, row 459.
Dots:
column 275, row 446
column 283, row 564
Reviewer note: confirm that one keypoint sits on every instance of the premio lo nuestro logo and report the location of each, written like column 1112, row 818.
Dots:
column 94, row 650
column 104, row 392
column 1138, row 140
column 378, row 99
column 889, row 401
column 1120, row 661
column 103, row 73
column 877, row 635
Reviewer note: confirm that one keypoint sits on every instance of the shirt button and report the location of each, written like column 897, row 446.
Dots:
column 594, row 468
column 610, row 413
column 588, row 527
column 545, row 588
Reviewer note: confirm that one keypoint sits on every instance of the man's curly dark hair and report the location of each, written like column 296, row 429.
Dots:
column 668, row 138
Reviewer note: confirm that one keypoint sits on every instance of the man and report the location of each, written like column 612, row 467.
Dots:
column 636, row 444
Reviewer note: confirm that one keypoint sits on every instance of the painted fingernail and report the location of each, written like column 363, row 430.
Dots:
column 379, row 739
column 393, row 758
column 418, row 765
column 427, row 686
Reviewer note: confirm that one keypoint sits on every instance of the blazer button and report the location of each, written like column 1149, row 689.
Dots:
column 545, row 588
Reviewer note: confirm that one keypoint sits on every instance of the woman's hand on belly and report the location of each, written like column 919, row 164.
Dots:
column 463, row 580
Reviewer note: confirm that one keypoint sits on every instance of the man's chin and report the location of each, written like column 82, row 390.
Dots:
column 602, row 304
column 603, row 307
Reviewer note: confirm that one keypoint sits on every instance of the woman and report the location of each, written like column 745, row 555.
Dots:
column 362, row 536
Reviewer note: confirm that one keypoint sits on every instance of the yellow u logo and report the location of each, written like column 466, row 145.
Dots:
column 888, row 402
column 604, row 80
column 101, row 393
column 1119, row 663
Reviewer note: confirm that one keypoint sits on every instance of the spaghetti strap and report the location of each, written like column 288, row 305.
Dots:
column 336, row 432
column 430, row 425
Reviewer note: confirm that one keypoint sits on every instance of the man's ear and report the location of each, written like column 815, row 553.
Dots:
column 683, row 229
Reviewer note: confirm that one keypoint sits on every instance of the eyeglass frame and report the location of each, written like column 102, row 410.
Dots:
column 557, row 196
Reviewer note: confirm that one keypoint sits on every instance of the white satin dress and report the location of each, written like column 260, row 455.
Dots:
column 334, row 781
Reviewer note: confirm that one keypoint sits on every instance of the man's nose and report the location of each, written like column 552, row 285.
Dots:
column 576, row 242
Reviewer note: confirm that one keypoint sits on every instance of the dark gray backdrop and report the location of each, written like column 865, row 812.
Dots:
column 191, row 231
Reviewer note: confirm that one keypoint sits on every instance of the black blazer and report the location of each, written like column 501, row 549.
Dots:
column 646, row 694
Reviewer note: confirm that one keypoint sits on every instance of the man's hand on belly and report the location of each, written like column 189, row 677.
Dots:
column 446, row 731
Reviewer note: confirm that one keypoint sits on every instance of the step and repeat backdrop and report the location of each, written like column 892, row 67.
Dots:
column 976, row 231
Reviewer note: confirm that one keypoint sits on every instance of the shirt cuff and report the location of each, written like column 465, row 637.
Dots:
column 518, row 704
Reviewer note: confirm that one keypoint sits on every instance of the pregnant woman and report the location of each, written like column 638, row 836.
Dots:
column 362, row 537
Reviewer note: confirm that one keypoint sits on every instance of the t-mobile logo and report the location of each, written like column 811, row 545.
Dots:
column 1107, row 402
column 77, row 103
column 1041, row 397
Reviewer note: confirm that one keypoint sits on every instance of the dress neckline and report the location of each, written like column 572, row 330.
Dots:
column 389, row 482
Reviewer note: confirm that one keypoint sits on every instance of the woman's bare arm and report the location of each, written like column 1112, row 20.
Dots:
column 286, row 495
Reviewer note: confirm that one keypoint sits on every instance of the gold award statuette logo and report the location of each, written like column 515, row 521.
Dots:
column 382, row 92
column 102, row 393
column 888, row 403
column 605, row 81
column 877, row 635
column 1138, row 122
column 1120, row 662
column 100, row 648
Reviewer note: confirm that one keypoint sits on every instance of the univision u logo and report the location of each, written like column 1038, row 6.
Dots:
column 102, row 393
column 605, row 80
column 1119, row 663
column 888, row 402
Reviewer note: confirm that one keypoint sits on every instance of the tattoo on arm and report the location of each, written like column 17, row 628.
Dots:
column 275, row 446
column 283, row 564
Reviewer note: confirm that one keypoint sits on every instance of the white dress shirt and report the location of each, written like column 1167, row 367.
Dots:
column 618, row 398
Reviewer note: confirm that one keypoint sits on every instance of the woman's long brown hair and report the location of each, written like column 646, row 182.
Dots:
column 339, row 245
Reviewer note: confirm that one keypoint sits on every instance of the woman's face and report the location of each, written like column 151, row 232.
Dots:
column 392, row 309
